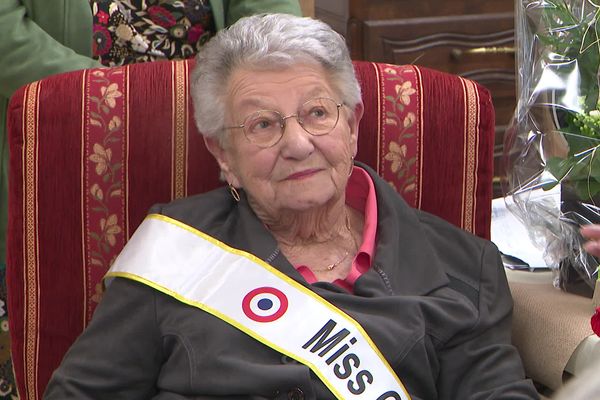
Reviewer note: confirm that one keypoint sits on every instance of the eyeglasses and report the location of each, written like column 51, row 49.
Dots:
column 265, row 128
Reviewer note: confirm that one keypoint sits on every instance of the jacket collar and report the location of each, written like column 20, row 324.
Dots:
column 404, row 254
column 405, row 259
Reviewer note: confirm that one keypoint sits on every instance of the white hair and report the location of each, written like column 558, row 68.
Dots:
column 266, row 42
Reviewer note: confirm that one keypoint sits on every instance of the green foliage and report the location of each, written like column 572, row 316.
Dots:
column 570, row 37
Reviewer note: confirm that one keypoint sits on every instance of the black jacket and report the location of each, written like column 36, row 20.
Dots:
column 435, row 302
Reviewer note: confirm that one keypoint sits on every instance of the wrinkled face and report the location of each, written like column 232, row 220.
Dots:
column 301, row 171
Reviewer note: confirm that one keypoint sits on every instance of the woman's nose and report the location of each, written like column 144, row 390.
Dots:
column 296, row 142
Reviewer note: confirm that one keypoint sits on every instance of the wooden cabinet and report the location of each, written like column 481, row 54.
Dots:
column 307, row 7
column 471, row 38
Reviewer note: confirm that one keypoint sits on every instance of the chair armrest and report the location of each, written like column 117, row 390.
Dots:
column 551, row 328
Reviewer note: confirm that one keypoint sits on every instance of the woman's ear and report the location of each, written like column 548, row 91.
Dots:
column 215, row 148
column 354, row 122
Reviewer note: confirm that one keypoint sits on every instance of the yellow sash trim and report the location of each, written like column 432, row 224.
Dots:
column 241, row 327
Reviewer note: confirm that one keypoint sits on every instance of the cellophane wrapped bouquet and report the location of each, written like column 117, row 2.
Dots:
column 552, row 146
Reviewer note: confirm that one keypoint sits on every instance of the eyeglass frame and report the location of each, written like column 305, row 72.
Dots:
column 283, row 118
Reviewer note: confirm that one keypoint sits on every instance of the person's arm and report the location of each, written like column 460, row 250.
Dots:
column 119, row 355
column 28, row 52
column 237, row 9
column 480, row 362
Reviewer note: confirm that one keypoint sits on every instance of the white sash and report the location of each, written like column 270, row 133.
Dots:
column 254, row 297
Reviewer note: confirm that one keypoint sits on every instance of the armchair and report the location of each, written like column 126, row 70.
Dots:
column 92, row 150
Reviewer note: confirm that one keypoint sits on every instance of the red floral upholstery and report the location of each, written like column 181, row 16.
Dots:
column 92, row 150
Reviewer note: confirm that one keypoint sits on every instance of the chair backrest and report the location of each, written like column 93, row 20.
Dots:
column 92, row 150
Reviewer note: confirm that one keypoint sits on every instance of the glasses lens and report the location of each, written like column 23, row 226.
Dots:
column 263, row 128
column 319, row 116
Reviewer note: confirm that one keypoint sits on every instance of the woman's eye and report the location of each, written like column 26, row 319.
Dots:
column 262, row 124
column 317, row 113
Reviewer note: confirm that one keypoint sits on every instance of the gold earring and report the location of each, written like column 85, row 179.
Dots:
column 234, row 193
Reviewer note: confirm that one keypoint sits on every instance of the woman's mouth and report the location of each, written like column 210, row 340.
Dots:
column 303, row 174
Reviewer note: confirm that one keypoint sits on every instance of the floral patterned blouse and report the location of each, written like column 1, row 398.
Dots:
column 129, row 31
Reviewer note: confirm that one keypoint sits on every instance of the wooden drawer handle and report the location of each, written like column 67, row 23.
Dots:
column 457, row 54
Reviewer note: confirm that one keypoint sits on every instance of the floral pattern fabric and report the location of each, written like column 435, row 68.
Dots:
column 8, row 389
column 129, row 31
column 104, row 176
column 400, row 122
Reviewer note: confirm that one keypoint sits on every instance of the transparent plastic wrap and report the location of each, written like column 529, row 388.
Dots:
column 552, row 155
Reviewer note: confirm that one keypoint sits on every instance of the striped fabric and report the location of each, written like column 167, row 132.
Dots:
column 92, row 150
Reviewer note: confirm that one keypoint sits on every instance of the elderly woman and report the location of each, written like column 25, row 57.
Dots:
column 308, row 277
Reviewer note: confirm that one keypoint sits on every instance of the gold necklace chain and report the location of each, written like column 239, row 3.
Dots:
column 335, row 264
column 331, row 266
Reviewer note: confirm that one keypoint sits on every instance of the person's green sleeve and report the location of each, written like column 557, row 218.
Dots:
column 242, row 8
column 28, row 53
